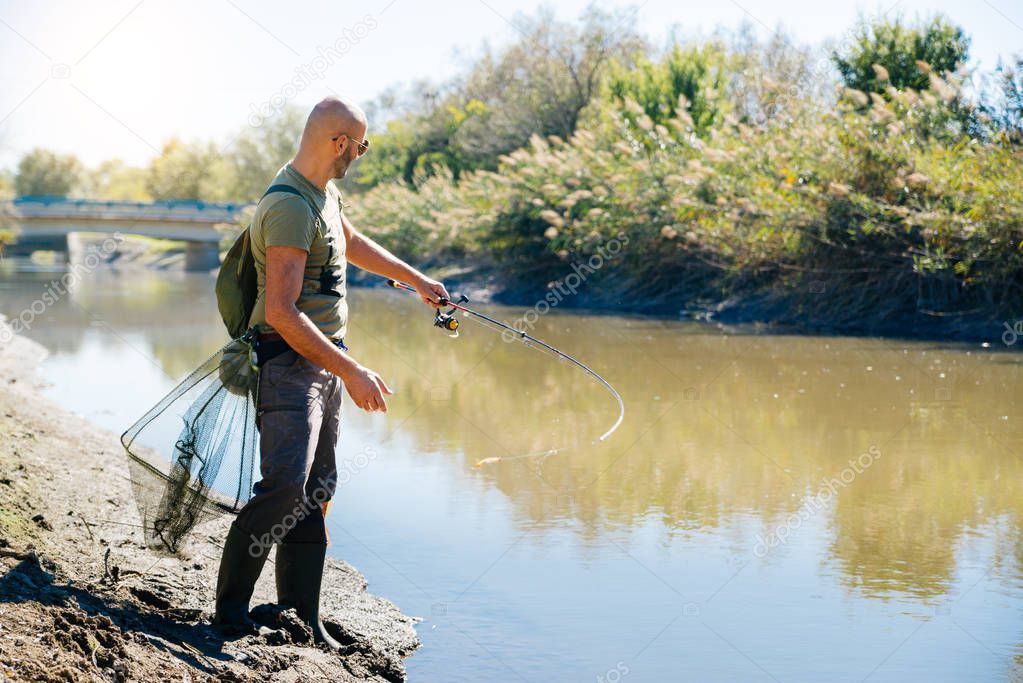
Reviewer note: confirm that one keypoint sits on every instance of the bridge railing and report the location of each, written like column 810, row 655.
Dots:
column 176, row 210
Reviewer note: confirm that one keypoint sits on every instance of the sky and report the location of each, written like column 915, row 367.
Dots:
column 116, row 79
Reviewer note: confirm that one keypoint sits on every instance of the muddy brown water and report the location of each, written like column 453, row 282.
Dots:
column 773, row 507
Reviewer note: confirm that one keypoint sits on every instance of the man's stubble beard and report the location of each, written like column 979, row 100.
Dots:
column 341, row 168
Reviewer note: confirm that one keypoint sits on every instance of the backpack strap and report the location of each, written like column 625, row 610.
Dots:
column 288, row 189
column 281, row 187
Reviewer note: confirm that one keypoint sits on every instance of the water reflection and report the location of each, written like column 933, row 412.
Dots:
column 718, row 426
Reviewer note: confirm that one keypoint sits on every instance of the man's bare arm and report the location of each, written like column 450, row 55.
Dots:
column 363, row 252
column 285, row 267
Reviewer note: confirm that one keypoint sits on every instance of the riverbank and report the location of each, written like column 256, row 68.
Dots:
column 781, row 309
column 82, row 599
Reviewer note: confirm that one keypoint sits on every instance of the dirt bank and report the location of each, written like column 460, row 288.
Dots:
column 81, row 599
column 784, row 309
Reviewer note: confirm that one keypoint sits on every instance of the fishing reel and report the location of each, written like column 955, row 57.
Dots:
column 446, row 320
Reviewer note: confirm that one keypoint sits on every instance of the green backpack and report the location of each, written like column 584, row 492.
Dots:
column 236, row 281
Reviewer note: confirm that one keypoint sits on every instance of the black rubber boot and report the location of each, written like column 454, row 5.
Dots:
column 240, row 566
column 299, row 570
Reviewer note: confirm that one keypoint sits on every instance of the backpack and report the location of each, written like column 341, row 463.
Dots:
column 236, row 281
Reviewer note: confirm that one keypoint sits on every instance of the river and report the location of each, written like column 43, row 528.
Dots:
column 788, row 508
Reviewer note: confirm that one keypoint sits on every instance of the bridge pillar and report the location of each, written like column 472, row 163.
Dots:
column 202, row 256
column 77, row 248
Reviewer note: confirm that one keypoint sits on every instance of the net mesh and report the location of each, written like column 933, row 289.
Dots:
column 192, row 456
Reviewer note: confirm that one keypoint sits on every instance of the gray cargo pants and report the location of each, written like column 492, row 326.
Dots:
column 299, row 417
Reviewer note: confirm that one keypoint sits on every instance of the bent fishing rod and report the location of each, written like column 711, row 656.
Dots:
column 446, row 320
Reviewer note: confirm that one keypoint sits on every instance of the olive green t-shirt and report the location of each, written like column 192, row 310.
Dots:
column 286, row 220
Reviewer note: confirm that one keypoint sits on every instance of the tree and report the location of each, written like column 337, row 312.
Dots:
column 419, row 128
column 540, row 84
column 1005, row 108
column 694, row 73
column 771, row 79
column 7, row 235
column 899, row 49
column 44, row 172
column 114, row 179
column 387, row 160
column 189, row 171
column 257, row 154
column 6, row 184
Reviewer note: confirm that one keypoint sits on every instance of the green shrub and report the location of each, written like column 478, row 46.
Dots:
column 882, row 202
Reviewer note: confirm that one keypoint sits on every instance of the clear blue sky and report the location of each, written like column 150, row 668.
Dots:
column 117, row 78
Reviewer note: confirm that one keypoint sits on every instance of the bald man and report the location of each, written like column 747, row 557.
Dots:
column 302, row 242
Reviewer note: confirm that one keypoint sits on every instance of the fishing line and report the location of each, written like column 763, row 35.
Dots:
column 447, row 320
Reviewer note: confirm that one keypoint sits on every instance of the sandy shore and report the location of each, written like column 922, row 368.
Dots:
column 82, row 599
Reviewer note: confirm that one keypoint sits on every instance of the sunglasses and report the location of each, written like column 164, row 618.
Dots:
column 363, row 146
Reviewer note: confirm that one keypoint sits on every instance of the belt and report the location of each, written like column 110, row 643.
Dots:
column 269, row 345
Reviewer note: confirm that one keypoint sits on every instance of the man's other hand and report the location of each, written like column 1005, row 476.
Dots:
column 367, row 390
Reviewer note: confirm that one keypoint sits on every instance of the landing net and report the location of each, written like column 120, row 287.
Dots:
column 193, row 455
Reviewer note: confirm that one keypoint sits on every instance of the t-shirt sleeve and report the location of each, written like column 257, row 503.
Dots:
column 289, row 223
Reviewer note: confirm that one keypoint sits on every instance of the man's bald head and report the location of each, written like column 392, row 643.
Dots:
column 332, row 117
column 322, row 139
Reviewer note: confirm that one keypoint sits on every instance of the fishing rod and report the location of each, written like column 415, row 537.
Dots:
column 446, row 320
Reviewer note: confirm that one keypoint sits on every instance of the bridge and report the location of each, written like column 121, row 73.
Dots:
column 47, row 222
